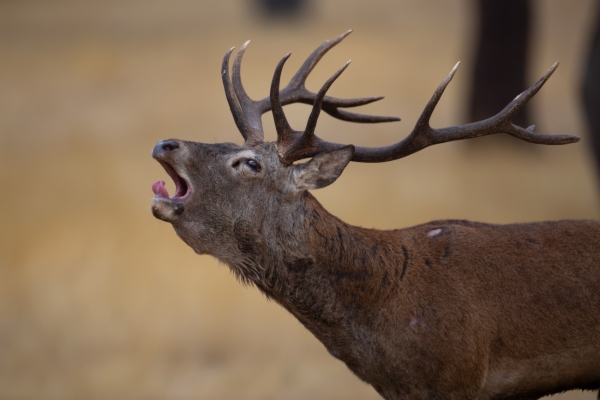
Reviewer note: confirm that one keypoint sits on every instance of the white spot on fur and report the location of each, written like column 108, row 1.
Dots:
column 434, row 232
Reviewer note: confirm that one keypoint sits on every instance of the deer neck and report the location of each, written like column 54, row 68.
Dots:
column 320, row 268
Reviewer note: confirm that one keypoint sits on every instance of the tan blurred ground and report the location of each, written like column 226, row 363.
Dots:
column 98, row 300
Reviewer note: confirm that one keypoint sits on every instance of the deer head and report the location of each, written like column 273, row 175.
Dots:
column 232, row 201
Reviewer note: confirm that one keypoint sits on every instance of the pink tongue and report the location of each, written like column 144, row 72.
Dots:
column 158, row 187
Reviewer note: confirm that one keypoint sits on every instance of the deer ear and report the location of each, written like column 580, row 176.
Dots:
column 323, row 169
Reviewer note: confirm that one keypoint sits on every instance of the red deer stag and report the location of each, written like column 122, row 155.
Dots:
column 444, row 310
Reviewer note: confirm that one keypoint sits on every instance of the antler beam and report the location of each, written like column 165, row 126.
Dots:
column 423, row 135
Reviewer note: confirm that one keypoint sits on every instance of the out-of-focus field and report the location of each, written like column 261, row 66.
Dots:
column 99, row 300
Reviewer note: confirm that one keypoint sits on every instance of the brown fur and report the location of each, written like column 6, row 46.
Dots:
column 445, row 310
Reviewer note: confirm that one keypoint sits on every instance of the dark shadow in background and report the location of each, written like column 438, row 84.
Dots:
column 283, row 9
column 501, row 61
column 591, row 91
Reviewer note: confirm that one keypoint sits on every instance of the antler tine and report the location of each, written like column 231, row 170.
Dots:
column 299, row 78
column 514, row 106
column 527, row 134
column 252, row 109
column 296, row 90
column 423, row 135
column 316, row 110
column 298, row 82
column 348, row 116
column 250, row 134
column 425, row 116
column 240, row 92
column 285, row 133
column 294, row 145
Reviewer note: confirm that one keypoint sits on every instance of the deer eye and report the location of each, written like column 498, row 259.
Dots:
column 253, row 165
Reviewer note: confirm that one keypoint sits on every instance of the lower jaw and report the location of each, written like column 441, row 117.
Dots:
column 167, row 209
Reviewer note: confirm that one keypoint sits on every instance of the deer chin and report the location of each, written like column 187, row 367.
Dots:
column 169, row 208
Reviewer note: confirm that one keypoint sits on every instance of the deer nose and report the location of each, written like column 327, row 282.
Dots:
column 164, row 147
column 167, row 145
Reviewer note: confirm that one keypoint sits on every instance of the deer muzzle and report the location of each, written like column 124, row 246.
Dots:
column 165, row 207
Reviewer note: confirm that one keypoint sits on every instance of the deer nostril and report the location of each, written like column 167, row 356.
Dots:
column 168, row 145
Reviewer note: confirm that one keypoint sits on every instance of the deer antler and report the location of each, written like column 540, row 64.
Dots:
column 296, row 145
column 247, row 112
column 423, row 135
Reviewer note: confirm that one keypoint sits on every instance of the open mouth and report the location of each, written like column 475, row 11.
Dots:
column 182, row 189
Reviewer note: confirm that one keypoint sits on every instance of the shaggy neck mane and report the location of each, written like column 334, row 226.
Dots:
column 321, row 267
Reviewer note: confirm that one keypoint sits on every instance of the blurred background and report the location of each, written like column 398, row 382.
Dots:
column 99, row 300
